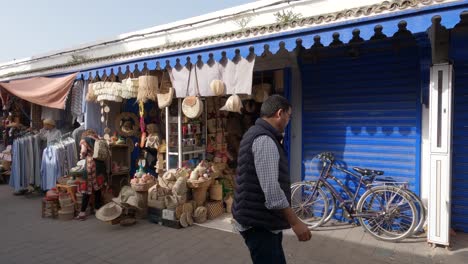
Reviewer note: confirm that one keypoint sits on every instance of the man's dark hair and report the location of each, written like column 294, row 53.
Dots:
column 272, row 104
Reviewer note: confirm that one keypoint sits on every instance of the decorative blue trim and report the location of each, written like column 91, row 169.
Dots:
column 418, row 20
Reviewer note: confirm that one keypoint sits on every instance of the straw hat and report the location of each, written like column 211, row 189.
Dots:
column 218, row 88
column 261, row 92
column 233, row 104
column 192, row 106
column 125, row 193
column 165, row 99
column 132, row 201
column 109, row 212
column 48, row 121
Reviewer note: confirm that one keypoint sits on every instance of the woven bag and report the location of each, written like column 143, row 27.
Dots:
column 101, row 150
column 215, row 209
column 200, row 215
column 216, row 191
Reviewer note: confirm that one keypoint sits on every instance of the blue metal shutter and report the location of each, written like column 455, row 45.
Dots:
column 365, row 109
column 460, row 148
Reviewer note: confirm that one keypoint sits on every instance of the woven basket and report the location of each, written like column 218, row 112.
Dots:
column 215, row 209
column 142, row 187
column 216, row 192
column 200, row 215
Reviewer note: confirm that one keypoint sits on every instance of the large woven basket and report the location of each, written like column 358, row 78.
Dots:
column 142, row 187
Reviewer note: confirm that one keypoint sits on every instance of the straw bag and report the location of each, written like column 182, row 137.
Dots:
column 200, row 214
column 192, row 106
column 215, row 209
column 165, row 99
column 148, row 88
column 130, row 87
column 91, row 96
column 216, row 191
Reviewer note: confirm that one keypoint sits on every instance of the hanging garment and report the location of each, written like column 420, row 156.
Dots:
column 77, row 98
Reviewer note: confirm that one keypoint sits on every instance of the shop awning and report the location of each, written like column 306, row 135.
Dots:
column 50, row 92
column 412, row 20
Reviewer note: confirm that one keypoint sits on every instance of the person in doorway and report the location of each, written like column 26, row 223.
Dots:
column 94, row 176
column 48, row 132
column 262, row 198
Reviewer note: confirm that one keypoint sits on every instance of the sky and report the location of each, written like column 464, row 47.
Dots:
column 34, row 27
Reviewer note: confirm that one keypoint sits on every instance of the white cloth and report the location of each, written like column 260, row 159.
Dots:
column 237, row 77
column 51, row 113
column 50, row 135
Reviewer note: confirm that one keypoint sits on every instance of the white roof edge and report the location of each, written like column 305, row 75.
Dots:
column 213, row 15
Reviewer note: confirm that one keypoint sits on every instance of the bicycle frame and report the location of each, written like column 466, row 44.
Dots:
column 350, row 208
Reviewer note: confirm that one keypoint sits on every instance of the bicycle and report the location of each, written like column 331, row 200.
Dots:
column 386, row 212
column 420, row 208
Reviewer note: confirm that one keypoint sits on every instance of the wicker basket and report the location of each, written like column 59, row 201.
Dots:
column 142, row 187
column 200, row 215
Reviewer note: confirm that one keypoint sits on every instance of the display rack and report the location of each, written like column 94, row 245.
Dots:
column 191, row 141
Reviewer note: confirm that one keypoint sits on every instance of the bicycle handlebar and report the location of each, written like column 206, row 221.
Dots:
column 326, row 156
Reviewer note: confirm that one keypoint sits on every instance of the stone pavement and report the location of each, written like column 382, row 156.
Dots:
column 27, row 238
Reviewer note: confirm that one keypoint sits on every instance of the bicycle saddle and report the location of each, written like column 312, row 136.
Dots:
column 368, row 172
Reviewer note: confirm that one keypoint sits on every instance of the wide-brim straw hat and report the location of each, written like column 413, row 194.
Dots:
column 109, row 212
column 218, row 87
column 165, row 99
column 132, row 201
column 125, row 193
column 233, row 104
column 192, row 106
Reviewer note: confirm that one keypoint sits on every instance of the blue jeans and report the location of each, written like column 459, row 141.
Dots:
column 264, row 246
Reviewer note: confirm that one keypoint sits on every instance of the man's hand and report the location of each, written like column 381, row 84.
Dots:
column 302, row 231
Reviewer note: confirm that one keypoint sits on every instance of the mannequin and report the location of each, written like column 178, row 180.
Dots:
column 48, row 131
column 94, row 177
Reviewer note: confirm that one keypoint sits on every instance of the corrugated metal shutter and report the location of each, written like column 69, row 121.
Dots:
column 460, row 148
column 366, row 110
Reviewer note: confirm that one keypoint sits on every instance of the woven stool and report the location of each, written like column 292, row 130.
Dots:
column 50, row 208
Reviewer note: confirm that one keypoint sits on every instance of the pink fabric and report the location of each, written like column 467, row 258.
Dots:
column 50, row 92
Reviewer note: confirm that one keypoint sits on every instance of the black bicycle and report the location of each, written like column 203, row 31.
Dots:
column 388, row 212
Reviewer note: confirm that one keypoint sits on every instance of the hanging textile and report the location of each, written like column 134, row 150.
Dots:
column 77, row 98
column 25, row 167
column 237, row 76
column 50, row 92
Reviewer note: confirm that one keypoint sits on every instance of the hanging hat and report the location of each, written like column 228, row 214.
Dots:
column 49, row 121
column 109, row 212
column 165, row 99
column 261, row 92
column 233, row 104
column 192, row 106
column 218, row 88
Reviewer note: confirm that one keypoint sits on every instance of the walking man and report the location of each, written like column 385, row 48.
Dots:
column 262, row 199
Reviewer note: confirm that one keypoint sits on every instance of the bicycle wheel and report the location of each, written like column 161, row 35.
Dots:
column 331, row 198
column 420, row 209
column 387, row 213
column 310, row 209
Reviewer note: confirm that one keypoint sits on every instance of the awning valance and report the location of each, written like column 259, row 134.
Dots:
column 412, row 20
column 50, row 92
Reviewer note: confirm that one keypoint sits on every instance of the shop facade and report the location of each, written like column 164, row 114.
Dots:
column 361, row 86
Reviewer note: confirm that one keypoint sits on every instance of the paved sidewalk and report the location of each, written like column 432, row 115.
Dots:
column 27, row 238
